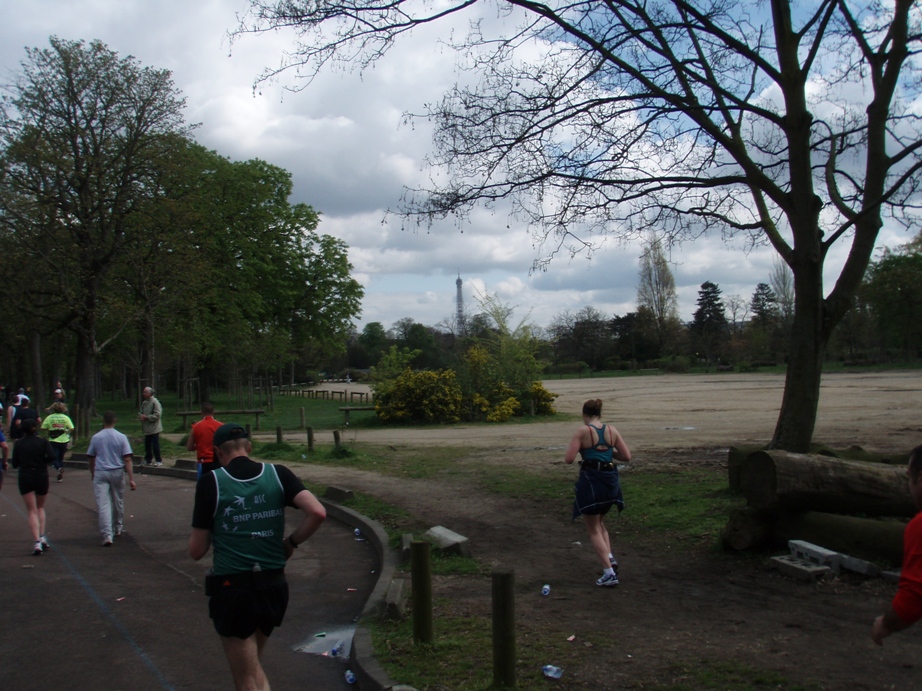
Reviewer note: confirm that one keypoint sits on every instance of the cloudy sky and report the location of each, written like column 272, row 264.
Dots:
column 343, row 140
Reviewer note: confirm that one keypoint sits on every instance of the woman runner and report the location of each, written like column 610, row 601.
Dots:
column 31, row 455
column 599, row 486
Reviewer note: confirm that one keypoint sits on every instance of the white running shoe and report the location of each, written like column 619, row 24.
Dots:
column 607, row 580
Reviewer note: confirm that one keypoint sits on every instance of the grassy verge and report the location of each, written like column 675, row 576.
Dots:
column 690, row 507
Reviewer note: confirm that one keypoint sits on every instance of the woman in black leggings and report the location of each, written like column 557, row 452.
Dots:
column 31, row 455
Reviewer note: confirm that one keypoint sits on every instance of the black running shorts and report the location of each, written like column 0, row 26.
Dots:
column 33, row 483
column 238, row 612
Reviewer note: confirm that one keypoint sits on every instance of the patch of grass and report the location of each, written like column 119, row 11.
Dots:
column 461, row 658
column 692, row 503
column 417, row 462
column 725, row 675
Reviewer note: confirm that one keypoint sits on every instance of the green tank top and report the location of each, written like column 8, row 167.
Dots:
column 249, row 523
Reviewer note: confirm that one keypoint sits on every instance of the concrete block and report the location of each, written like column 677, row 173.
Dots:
column 890, row 576
column 395, row 602
column 339, row 494
column 856, row 565
column 186, row 464
column 448, row 541
column 800, row 569
column 406, row 540
column 815, row 554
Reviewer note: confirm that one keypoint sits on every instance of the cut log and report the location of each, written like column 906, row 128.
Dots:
column 880, row 541
column 748, row 528
column 735, row 458
column 808, row 482
column 877, row 540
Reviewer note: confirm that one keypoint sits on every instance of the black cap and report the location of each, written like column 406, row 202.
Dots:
column 228, row 432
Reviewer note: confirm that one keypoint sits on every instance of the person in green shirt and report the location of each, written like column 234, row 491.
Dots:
column 240, row 511
column 59, row 427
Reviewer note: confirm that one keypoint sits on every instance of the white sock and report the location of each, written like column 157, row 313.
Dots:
column 609, row 571
column 611, row 557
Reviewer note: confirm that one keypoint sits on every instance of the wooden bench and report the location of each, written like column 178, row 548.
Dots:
column 218, row 414
column 350, row 408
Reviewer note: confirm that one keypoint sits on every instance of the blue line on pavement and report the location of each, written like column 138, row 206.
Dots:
column 107, row 612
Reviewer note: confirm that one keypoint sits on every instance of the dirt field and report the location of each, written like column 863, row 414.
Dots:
column 680, row 602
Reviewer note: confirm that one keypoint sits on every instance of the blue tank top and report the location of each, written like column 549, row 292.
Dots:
column 594, row 453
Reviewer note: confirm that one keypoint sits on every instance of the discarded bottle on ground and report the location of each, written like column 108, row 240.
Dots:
column 552, row 672
column 338, row 648
column 357, row 532
column 350, row 676
column 545, row 589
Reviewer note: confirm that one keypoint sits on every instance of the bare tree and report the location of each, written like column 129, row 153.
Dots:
column 781, row 281
column 784, row 123
column 656, row 290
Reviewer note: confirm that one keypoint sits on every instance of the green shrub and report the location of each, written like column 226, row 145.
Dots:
column 427, row 397
column 543, row 399
column 678, row 364
column 504, row 411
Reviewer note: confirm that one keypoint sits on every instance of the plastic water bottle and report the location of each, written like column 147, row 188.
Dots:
column 545, row 589
column 552, row 672
column 350, row 676
column 337, row 648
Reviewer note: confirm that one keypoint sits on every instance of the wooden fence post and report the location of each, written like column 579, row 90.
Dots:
column 504, row 628
column 421, row 575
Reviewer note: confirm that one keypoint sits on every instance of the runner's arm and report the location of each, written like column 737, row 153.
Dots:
column 576, row 443
column 199, row 543
column 314, row 516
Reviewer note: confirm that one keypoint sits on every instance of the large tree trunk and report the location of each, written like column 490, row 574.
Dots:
column 85, row 397
column 38, row 377
column 794, row 430
column 782, row 480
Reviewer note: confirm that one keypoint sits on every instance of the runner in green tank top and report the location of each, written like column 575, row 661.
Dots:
column 240, row 509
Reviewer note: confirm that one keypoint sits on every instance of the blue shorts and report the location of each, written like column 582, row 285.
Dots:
column 2, row 438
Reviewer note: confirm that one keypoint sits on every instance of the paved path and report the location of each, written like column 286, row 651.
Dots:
column 134, row 616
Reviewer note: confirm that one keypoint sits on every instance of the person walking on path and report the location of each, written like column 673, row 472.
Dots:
column 4, row 463
column 201, row 439
column 598, row 487
column 31, row 455
column 18, row 414
column 59, row 427
column 110, row 461
column 151, row 426
column 240, row 509
column 906, row 608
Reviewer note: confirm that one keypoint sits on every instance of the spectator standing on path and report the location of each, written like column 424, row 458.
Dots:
column 201, row 439
column 59, row 427
column 906, row 608
column 56, row 397
column 599, row 485
column 19, row 414
column 31, row 455
column 110, row 460
column 240, row 509
column 151, row 426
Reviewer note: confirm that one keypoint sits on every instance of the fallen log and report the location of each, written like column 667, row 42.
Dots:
column 809, row 482
column 880, row 541
column 736, row 456
column 749, row 528
column 877, row 540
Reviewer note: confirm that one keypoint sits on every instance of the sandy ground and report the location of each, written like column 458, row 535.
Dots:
column 874, row 410
column 681, row 601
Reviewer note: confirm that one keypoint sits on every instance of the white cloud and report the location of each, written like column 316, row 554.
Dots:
column 351, row 155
